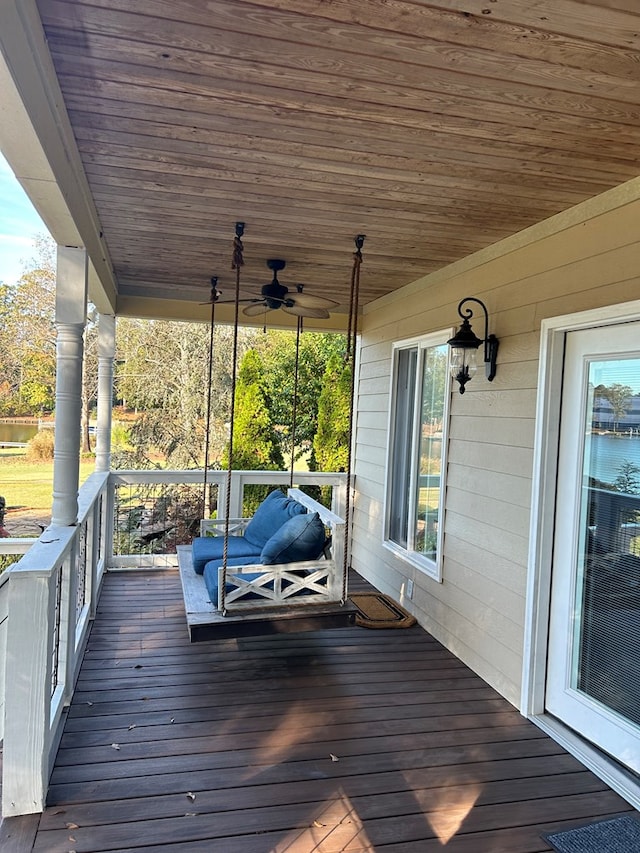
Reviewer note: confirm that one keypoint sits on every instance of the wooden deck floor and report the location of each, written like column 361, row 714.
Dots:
column 343, row 740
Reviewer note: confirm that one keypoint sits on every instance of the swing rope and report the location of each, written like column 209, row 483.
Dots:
column 214, row 283
column 236, row 263
column 350, row 358
column 294, row 419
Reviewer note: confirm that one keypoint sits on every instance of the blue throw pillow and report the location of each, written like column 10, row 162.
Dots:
column 300, row 538
column 272, row 513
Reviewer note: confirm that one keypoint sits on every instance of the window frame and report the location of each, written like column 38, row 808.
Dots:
column 422, row 343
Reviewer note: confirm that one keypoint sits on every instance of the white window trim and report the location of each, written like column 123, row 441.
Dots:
column 538, row 594
column 431, row 568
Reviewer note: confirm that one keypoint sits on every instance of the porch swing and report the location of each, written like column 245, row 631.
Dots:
column 285, row 569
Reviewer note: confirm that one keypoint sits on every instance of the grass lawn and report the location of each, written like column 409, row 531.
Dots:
column 30, row 484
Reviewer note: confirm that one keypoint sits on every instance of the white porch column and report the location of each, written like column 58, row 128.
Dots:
column 106, row 356
column 29, row 653
column 71, row 312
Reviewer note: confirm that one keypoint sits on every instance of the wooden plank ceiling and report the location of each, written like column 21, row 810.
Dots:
column 435, row 128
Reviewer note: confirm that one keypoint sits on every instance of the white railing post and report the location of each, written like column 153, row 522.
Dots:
column 67, row 643
column 11, row 548
column 339, row 497
column 106, row 357
column 109, row 520
column 234, row 510
column 93, row 536
column 222, row 510
column 95, row 548
column 29, row 662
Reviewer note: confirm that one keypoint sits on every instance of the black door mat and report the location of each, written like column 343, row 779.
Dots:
column 376, row 610
column 615, row 835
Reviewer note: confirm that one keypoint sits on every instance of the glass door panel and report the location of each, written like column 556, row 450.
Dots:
column 593, row 679
column 606, row 665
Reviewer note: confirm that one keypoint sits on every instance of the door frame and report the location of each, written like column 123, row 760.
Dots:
column 541, row 532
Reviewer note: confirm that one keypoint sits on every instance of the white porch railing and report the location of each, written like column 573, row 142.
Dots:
column 15, row 548
column 155, row 511
column 51, row 595
column 48, row 598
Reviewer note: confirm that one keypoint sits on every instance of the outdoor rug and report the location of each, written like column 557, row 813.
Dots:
column 376, row 610
column 615, row 835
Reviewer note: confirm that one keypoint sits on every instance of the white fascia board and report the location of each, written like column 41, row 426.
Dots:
column 37, row 140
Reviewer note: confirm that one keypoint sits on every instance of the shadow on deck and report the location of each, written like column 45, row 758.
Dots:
column 342, row 740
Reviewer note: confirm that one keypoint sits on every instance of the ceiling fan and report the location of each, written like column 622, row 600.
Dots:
column 275, row 295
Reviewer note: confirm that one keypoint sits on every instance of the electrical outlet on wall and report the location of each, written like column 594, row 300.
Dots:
column 409, row 588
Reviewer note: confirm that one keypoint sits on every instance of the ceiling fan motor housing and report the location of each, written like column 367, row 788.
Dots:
column 275, row 293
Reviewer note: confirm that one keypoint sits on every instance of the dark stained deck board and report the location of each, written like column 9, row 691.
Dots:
column 426, row 750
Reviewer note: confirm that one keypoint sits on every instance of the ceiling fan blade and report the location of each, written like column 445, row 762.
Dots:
column 256, row 309
column 304, row 311
column 226, row 301
column 309, row 301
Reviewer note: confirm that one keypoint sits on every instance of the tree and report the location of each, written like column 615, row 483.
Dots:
column 433, row 386
column 28, row 336
column 619, row 398
column 628, row 479
column 331, row 442
column 278, row 351
column 28, row 341
column 256, row 445
column 162, row 372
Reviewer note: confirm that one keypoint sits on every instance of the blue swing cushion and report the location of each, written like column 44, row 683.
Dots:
column 300, row 539
column 273, row 512
column 206, row 548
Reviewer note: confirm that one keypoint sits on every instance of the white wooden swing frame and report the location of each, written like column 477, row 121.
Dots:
column 286, row 597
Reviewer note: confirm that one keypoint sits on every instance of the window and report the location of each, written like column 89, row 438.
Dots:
column 417, row 450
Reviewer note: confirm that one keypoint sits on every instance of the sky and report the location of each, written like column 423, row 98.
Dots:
column 611, row 371
column 19, row 225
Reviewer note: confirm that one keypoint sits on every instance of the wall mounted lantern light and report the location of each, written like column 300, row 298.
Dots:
column 465, row 343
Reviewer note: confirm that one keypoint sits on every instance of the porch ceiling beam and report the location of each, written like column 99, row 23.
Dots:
column 39, row 144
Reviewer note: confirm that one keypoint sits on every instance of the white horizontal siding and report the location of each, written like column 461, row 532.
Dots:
column 586, row 258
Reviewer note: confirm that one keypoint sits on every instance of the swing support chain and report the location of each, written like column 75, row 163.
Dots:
column 236, row 263
column 350, row 357
column 212, row 324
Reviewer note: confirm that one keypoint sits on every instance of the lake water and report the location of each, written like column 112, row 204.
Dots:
column 17, row 432
column 608, row 453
